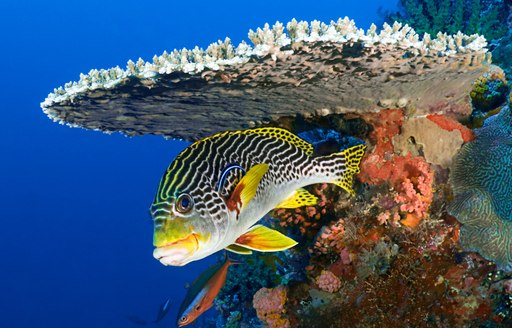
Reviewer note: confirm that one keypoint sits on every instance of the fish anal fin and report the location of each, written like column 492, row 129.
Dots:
column 245, row 190
column 263, row 239
column 239, row 249
column 300, row 197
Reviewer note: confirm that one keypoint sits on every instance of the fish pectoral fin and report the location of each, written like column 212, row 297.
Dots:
column 238, row 249
column 263, row 239
column 245, row 190
column 300, row 197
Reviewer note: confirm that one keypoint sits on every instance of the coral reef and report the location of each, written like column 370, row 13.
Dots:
column 482, row 181
column 331, row 67
column 427, row 239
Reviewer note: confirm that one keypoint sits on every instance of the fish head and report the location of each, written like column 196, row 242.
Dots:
column 187, row 318
column 189, row 226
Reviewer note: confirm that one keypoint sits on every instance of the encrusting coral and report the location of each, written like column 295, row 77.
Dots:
column 421, row 136
column 269, row 305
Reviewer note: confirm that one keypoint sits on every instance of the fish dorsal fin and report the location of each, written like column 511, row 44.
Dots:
column 284, row 135
column 246, row 189
column 239, row 249
column 263, row 239
column 300, row 197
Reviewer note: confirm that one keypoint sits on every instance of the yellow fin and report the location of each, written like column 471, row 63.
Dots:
column 238, row 249
column 263, row 239
column 245, row 190
column 300, row 197
column 284, row 135
column 352, row 157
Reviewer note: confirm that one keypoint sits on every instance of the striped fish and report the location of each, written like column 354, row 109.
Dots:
column 215, row 191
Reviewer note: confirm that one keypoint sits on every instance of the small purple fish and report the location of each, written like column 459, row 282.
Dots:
column 202, row 292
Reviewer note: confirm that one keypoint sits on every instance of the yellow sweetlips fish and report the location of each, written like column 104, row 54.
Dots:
column 215, row 191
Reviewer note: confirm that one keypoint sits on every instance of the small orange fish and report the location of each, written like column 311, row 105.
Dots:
column 202, row 292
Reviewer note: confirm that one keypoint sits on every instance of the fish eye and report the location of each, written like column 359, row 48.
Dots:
column 184, row 203
column 184, row 318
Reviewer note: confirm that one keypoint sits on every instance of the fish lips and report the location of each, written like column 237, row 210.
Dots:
column 178, row 253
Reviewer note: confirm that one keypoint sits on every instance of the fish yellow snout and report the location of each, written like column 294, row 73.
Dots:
column 179, row 252
column 176, row 241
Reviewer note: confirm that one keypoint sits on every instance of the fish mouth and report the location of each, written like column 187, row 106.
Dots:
column 179, row 252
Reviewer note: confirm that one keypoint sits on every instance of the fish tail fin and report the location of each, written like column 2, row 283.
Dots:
column 346, row 161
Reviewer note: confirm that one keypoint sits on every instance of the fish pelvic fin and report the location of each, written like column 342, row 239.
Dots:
column 246, row 189
column 263, row 239
column 300, row 197
column 237, row 249
column 347, row 160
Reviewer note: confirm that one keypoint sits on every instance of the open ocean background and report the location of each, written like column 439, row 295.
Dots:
column 76, row 235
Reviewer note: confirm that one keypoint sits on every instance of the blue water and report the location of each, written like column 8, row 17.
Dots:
column 75, row 237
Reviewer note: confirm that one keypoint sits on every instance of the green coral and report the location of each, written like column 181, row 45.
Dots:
column 489, row 91
column 485, row 17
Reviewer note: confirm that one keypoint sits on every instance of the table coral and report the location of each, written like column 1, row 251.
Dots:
column 482, row 186
column 332, row 68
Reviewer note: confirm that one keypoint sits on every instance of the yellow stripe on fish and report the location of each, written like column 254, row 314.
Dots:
column 216, row 190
